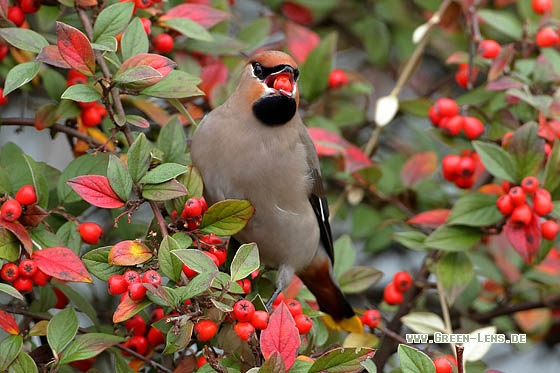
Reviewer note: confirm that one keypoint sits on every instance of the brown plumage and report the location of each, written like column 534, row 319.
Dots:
column 256, row 147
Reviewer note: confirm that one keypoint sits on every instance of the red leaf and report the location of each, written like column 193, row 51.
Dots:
column 8, row 323
column 501, row 62
column 160, row 63
column 96, row 190
column 212, row 74
column 204, row 15
column 62, row 263
column 20, row 232
column 128, row 253
column 51, row 55
column 281, row 336
column 525, row 240
column 430, row 219
column 300, row 40
column 418, row 167
column 128, row 308
column 75, row 48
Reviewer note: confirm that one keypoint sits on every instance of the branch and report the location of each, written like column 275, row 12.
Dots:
column 484, row 317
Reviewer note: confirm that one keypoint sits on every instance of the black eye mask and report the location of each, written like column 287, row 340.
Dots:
column 262, row 72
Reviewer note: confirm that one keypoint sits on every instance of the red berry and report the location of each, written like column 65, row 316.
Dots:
column 530, row 184
column 138, row 343
column 304, row 323
column 23, row 284
column 11, row 210
column 40, row 278
column 84, row 365
column 9, row 272
column 61, row 299
column 435, row 118
column 391, row 295
column 27, row 268
column 452, row 126
column 549, row 229
column 450, row 166
column 462, row 75
column 151, row 277
column 30, row 6
column 90, row 232
column 466, row 166
column 542, row 202
column 506, row 186
column 220, row 253
column 116, row 284
column 75, row 77
column 157, row 314
column 142, row 4
column 204, row 204
column 201, row 361
column 446, row 107
column 402, row 281
column 371, row 318
column 155, row 336
column 546, row 37
column 541, row 6
column 243, row 310
column 147, row 25
column 521, row 215
column 489, row 48
column 190, row 273
column 205, row 330
column 163, row 43
column 517, row 195
column 213, row 257
column 3, row 99
column 131, row 277
column 260, row 320
column 473, row 128
column 16, row 15
column 136, row 291
column 443, row 365
column 464, row 182
column 294, row 307
column 244, row 330
column 504, row 204
column 337, row 78
column 192, row 208
column 90, row 117
column 210, row 239
column 279, row 299
column 136, row 325
column 245, row 285
column 26, row 195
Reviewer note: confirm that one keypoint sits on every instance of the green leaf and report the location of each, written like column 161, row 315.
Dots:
column 81, row 93
column 413, row 240
column 414, row 361
column 78, row 300
column 11, row 291
column 25, row 39
column 375, row 36
column 344, row 255
column 173, row 142
column 504, row 22
column 137, row 74
column 87, row 164
column 119, row 178
column 45, row 238
column 89, row 345
column 164, row 191
column 53, row 82
column 10, row 348
column 188, row 28
column 169, row 264
column 227, row 218
column 5, row 185
column 453, row 238
column 496, row 160
column 342, row 360
column 23, row 364
column 178, row 338
column 61, row 329
column 475, row 209
column 455, row 272
column 424, row 322
column 163, row 172
column 134, row 40
column 112, row 20
column 358, row 279
column 96, row 262
column 196, row 260
column 256, row 32
column 196, row 286
column 70, row 236
column 245, row 261
column 527, row 146
column 138, row 159
column 19, row 75
column 317, row 67
column 105, row 44
column 552, row 169
column 192, row 180
column 177, row 84
column 9, row 245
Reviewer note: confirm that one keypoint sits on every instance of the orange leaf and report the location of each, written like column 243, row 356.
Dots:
column 128, row 253
column 281, row 336
column 96, row 190
column 20, row 232
column 128, row 308
column 430, row 219
column 525, row 240
column 8, row 323
column 418, row 167
column 62, row 263
column 75, row 48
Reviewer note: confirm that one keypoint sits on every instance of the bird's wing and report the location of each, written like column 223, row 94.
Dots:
column 317, row 197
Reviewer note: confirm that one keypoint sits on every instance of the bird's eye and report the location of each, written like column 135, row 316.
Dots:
column 258, row 70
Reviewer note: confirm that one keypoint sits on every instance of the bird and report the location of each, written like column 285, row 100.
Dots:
column 255, row 147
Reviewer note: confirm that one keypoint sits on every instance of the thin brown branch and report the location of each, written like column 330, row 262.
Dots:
column 159, row 217
column 484, row 317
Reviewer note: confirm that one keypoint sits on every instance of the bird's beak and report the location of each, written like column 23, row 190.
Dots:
column 283, row 82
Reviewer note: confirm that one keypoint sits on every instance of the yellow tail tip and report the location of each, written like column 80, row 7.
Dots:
column 351, row 325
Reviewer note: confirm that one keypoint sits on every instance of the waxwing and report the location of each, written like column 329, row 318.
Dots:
column 256, row 147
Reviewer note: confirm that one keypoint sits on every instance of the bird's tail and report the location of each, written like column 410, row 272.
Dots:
column 320, row 281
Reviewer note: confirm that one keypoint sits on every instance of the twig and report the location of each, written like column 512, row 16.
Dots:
column 459, row 349
column 159, row 217
column 445, row 311
column 484, row 317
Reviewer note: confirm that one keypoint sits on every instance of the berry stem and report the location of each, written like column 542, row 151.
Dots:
column 459, row 349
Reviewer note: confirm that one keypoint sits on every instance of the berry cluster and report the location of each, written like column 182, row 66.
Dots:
column 142, row 336
column 445, row 364
column 461, row 169
column 192, row 213
column 132, row 283
column 519, row 209
column 546, row 37
column 23, row 275
column 12, row 209
column 394, row 291
column 91, row 113
column 17, row 12
column 444, row 114
column 214, row 248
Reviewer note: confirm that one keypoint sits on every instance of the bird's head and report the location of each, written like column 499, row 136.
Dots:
column 270, row 80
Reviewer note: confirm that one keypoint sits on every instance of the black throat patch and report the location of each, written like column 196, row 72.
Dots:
column 275, row 110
